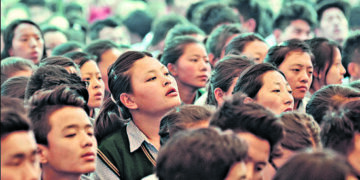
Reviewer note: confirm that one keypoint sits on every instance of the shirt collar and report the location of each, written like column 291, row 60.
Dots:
column 136, row 137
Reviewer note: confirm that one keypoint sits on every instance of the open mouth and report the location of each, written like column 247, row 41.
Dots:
column 171, row 91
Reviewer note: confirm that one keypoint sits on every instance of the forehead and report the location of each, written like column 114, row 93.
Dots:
column 193, row 48
column 255, row 143
column 68, row 115
column 145, row 64
column 273, row 77
column 297, row 57
column 332, row 11
column 26, row 28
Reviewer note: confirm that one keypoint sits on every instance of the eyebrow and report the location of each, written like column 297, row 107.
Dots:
column 153, row 71
column 22, row 155
column 302, row 65
column 76, row 126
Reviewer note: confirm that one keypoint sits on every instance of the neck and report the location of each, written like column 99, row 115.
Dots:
column 296, row 103
column 316, row 85
column 52, row 174
column 187, row 94
column 149, row 124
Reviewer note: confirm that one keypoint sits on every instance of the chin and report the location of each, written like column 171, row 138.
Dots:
column 88, row 168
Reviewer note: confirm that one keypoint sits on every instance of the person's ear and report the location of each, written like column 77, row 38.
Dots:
column 211, row 59
column 11, row 52
column 172, row 69
column 317, row 75
column 251, row 24
column 277, row 34
column 353, row 69
column 128, row 101
column 43, row 153
column 219, row 95
column 248, row 100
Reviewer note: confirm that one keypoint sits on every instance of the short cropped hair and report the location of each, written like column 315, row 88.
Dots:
column 237, row 45
column 313, row 165
column 15, row 87
column 200, row 154
column 11, row 65
column 253, row 118
column 182, row 118
column 351, row 50
column 294, row 11
column 13, row 116
column 339, row 127
column 44, row 103
column 278, row 53
column 97, row 48
column 329, row 97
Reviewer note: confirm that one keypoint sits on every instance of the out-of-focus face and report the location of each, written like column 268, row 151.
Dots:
column 336, row 71
column 153, row 84
column 298, row 29
column 71, row 142
column 19, row 157
column 96, row 88
column 27, row 43
column 53, row 39
column 298, row 69
column 119, row 35
column 256, row 50
column 192, row 69
column 334, row 25
column 258, row 155
column 354, row 154
column 275, row 94
column 237, row 172
column 107, row 59
column 279, row 159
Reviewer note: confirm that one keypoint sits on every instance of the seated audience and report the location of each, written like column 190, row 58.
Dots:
column 203, row 154
column 259, row 127
column 267, row 86
column 19, row 156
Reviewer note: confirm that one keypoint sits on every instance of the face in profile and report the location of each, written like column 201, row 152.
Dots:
column 336, row 71
column 256, row 50
column 27, row 43
column 298, row 69
column 107, row 59
column 96, row 88
column 192, row 69
column 275, row 94
column 71, row 142
column 154, row 90
column 19, row 157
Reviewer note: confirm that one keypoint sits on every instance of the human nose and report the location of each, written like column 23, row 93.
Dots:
column 250, row 171
column 204, row 65
column 304, row 77
column 288, row 98
column 31, row 171
column 32, row 42
column 342, row 70
column 87, row 140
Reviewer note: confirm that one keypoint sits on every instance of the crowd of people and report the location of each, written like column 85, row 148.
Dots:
column 180, row 90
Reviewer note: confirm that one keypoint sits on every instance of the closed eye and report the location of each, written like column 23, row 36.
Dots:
column 276, row 90
column 151, row 79
column 70, row 135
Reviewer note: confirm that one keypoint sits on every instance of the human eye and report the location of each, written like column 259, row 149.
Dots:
column 295, row 69
column 99, row 78
column 86, row 79
column 259, row 168
column 167, row 74
column 151, row 79
column 290, row 91
column 276, row 90
column 70, row 135
column 193, row 60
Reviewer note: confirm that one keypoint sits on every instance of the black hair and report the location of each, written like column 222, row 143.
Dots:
column 15, row 87
column 9, row 36
column 237, row 45
column 253, row 118
column 294, row 11
column 66, row 47
column 182, row 30
column 224, row 73
column 351, row 51
column 45, row 102
column 97, row 48
column 98, row 25
column 278, row 53
column 139, row 22
column 12, row 65
column 210, row 15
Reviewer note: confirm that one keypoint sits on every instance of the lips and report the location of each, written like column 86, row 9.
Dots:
column 171, row 92
column 89, row 156
column 203, row 77
column 302, row 88
column 288, row 109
